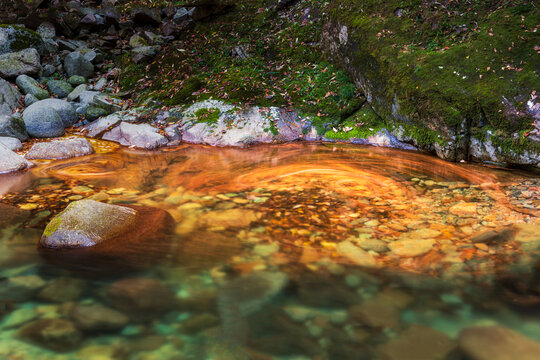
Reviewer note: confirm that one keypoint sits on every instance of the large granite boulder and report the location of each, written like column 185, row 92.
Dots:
column 43, row 121
column 77, row 64
column 19, row 63
column 31, row 86
column 97, row 237
column 10, row 98
column 138, row 135
column 60, row 149
column 16, row 38
column 10, row 161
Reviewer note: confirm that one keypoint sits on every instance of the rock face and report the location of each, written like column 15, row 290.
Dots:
column 87, row 223
column 95, row 237
column 54, row 334
column 207, row 122
column 18, row 63
column 141, row 299
column 76, row 64
column 13, row 127
column 16, row 38
column 497, row 343
column 42, row 121
column 138, row 135
column 9, row 161
column 10, row 98
column 60, row 149
column 30, row 86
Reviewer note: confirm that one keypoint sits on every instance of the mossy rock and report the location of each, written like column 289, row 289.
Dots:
column 16, row 38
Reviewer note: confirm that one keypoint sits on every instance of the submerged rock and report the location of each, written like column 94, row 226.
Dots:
column 60, row 149
column 96, row 317
column 87, row 223
column 18, row 63
column 418, row 343
column 228, row 218
column 497, row 343
column 54, row 334
column 141, row 299
column 97, row 237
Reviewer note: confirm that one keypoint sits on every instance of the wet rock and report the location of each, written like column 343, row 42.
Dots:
column 59, row 88
column 497, row 343
column 31, row 86
column 62, row 290
column 96, row 317
column 87, row 223
column 100, row 126
column 355, row 254
column 94, row 113
column 77, row 80
column 48, row 70
column 54, row 334
column 20, row 288
column 228, row 218
column 418, row 343
column 10, row 161
column 141, row 299
column 11, row 143
column 10, row 98
column 138, row 135
column 410, row 247
column 464, row 209
column 76, row 64
column 18, row 63
column 13, row 127
column 15, row 38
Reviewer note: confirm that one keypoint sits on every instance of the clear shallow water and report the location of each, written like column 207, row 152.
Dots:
column 290, row 251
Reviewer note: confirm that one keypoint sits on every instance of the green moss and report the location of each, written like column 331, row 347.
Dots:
column 23, row 38
column 210, row 116
column 52, row 226
column 362, row 124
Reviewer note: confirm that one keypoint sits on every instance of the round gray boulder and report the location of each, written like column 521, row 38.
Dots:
column 76, row 64
column 43, row 121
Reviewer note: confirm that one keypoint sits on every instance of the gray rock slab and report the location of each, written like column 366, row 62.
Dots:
column 60, row 149
column 138, row 135
column 11, row 143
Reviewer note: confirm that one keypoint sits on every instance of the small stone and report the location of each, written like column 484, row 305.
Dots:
column 59, row 88
column 77, row 80
column 373, row 245
column 62, row 290
column 198, row 323
column 265, row 249
column 411, row 248
column 464, row 210
column 94, row 113
column 376, row 313
column 228, row 218
column 356, row 254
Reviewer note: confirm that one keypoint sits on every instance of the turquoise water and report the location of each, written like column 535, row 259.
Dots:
column 278, row 252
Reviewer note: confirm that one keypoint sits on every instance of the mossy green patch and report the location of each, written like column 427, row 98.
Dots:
column 52, row 226
column 210, row 116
